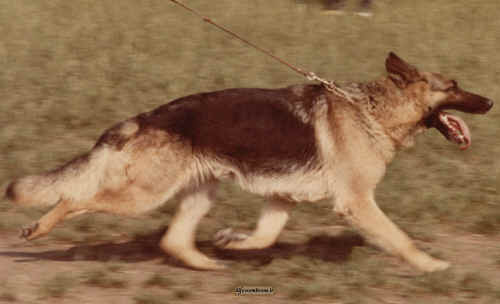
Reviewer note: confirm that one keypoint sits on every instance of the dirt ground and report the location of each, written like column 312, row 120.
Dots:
column 27, row 269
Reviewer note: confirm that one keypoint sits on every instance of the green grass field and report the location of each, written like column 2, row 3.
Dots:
column 70, row 69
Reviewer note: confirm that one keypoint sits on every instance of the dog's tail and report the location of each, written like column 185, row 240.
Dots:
column 77, row 180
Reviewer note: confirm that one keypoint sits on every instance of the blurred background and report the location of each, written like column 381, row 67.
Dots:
column 71, row 69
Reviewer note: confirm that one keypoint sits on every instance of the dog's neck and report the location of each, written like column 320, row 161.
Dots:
column 394, row 108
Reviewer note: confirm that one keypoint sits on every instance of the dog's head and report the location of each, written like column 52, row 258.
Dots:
column 435, row 94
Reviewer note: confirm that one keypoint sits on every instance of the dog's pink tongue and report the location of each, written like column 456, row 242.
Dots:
column 463, row 128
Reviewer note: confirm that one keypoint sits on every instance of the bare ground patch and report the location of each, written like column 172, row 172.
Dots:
column 321, row 266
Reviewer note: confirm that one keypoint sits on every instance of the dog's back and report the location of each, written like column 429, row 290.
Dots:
column 254, row 129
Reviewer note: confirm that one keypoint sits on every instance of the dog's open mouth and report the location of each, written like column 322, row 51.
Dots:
column 452, row 127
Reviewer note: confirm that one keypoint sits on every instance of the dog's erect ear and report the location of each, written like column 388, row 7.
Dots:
column 401, row 72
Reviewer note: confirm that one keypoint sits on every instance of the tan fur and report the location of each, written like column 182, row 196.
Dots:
column 134, row 169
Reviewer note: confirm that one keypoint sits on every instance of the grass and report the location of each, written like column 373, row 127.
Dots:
column 486, row 224
column 436, row 283
column 70, row 93
column 115, row 267
column 8, row 296
column 101, row 278
column 69, row 71
column 100, row 80
column 475, row 283
column 177, row 294
column 183, row 294
column 150, row 299
column 158, row 280
column 57, row 287
column 301, row 291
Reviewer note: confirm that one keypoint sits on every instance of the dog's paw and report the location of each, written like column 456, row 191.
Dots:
column 28, row 232
column 426, row 263
column 223, row 237
column 437, row 265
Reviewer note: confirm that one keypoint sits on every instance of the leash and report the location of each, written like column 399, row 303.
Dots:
column 329, row 85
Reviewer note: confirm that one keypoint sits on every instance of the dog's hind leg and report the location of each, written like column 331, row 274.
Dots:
column 179, row 240
column 272, row 220
column 47, row 222
column 362, row 212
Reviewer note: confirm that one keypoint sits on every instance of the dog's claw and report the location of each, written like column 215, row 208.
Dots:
column 26, row 232
column 221, row 235
column 225, row 236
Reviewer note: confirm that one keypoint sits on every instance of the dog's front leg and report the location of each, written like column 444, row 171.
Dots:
column 362, row 212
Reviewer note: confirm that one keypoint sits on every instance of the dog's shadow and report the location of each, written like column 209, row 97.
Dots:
column 336, row 248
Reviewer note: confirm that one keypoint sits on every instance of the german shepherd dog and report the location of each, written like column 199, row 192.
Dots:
column 294, row 144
